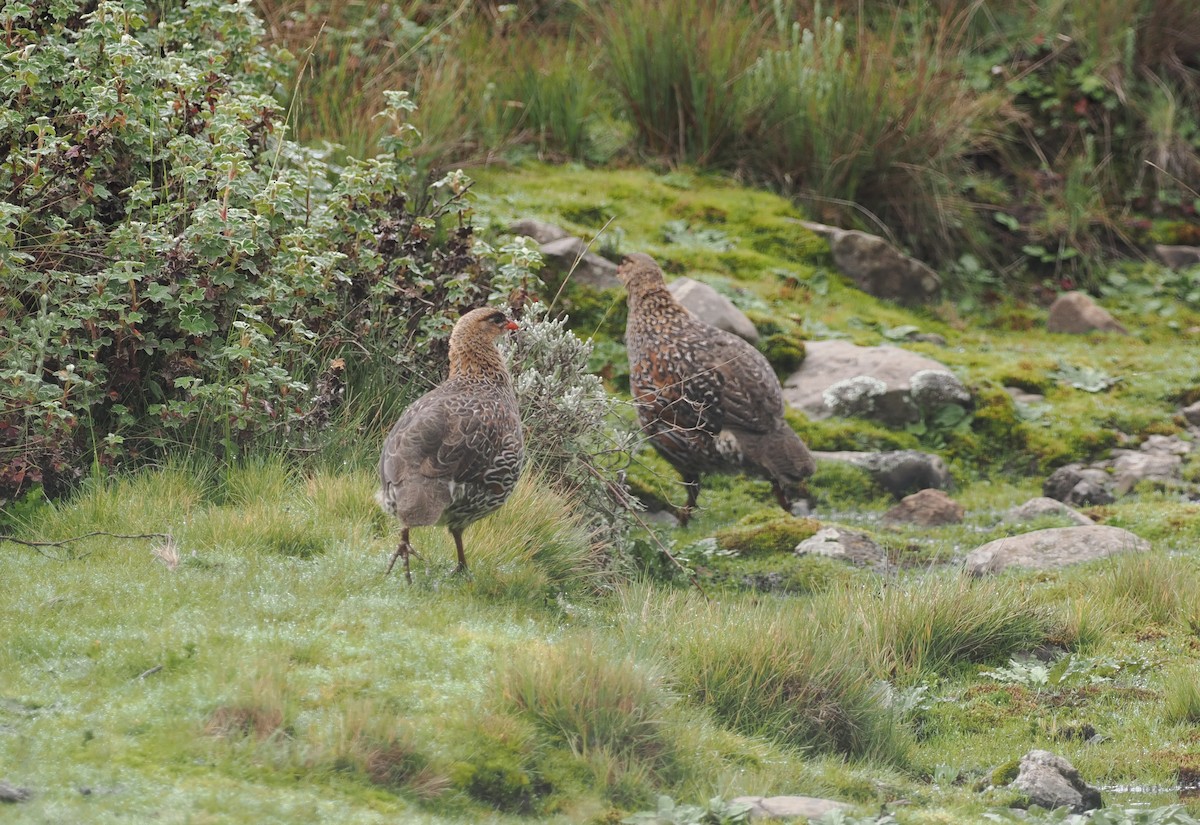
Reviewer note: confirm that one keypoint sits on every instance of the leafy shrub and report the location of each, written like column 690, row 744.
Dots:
column 175, row 267
column 568, row 420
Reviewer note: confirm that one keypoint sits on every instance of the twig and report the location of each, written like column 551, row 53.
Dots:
column 38, row 544
column 61, row 542
column 149, row 672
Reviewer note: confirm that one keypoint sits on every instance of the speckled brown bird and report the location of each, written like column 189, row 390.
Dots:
column 456, row 452
column 707, row 400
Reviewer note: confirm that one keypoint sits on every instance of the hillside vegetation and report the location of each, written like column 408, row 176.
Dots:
column 223, row 278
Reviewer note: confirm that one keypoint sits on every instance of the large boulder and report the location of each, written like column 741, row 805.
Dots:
column 1052, row 782
column 926, row 508
column 571, row 256
column 877, row 267
column 900, row 472
column 1052, row 548
column 1076, row 313
column 564, row 253
column 540, row 231
column 712, row 308
column 840, row 378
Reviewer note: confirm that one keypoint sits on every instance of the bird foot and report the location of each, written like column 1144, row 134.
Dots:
column 461, row 569
column 683, row 514
column 405, row 551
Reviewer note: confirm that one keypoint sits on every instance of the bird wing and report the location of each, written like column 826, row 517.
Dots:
column 669, row 396
column 750, row 397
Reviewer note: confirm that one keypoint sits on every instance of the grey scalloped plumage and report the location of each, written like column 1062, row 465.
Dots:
column 456, row 453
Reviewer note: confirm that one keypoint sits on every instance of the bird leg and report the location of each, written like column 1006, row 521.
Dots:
column 458, row 545
column 405, row 549
column 781, row 496
column 684, row 513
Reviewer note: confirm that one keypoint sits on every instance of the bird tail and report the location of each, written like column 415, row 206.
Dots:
column 783, row 458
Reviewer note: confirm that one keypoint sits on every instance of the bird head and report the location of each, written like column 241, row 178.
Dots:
column 639, row 273
column 485, row 323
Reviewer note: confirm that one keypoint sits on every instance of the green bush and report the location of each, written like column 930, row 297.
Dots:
column 175, row 268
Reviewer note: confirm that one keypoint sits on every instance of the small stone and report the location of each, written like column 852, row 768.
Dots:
column 1077, row 314
column 853, row 546
column 1042, row 506
column 540, row 231
column 932, row 389
column 1020, row 396
column 900, row 472
column 1191, row 414
column 11, row 793
column 1052, row 782
column 1076, row 484
column 789, row 807
column 834, row 368
column 927, row 508
column 877, row 267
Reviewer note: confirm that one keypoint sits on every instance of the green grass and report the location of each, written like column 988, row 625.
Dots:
column 262, row 668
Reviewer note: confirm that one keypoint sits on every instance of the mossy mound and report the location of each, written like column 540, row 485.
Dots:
column 760, row 534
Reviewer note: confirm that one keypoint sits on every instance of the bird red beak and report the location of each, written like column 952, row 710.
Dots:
column 512, row 325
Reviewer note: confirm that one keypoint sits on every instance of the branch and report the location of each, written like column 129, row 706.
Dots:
column 37, row 544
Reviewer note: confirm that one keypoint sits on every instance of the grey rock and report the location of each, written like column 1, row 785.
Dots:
column 1052, row 548
column 1166, row 445
column 871, row 381
column 1052, row 782
column 571, row 255
column 540, row 231
column 1177, row 257
column 11, row 793
column 932, row 389
column 712, row 308
column 853, row 546
column 928, row 508
column 789, row 807
column 1131, row 466
column 1076, row 313
column 1020, row 396
column 1191, row 414
column 1079, row 485
column 928, row 338
column 900, row 472
column 877, row 267
column 1042, row 506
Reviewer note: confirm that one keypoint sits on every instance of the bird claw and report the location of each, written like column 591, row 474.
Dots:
column 405, row 551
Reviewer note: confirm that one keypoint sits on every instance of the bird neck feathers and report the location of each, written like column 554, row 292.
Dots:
column 477, row 360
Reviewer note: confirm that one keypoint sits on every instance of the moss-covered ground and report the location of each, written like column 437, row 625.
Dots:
column 262, row 668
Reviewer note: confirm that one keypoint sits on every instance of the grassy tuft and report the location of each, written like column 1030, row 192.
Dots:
column 1181, row 697
column 675, row 66
column 591, row 701
column 770, row 669
column 923, row 627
